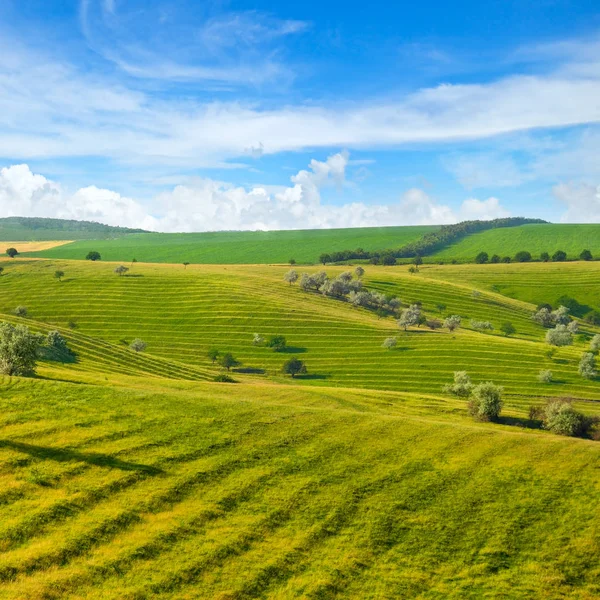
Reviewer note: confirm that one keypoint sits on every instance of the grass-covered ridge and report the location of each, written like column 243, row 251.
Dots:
column 253, row 491
column 239, row 247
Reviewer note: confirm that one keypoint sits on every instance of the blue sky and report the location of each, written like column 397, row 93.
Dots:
column 184, row 115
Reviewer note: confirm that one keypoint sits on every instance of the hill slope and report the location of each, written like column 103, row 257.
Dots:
column 239, row 247
column 535, row 238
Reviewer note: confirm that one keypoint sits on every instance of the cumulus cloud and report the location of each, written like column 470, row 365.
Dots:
column 581, row 200
column 209, row 205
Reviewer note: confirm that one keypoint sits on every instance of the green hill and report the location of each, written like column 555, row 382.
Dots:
column 238, row 247
column 536, row 238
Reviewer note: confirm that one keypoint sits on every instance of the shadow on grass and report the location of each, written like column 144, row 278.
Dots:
column 133, row 275
column 56, row 355
column 250, row 370
column 292, row 350
column 516, row 422
column 66, row 455
column 313, row 376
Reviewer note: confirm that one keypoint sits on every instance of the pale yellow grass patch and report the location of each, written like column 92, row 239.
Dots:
column 34, row 246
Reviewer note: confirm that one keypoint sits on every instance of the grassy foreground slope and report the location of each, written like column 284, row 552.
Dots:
column 240, row 247
column 536, row 238
column 181, row 313
column 264, row 491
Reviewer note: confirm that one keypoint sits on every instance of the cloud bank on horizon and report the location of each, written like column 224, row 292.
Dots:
column 173, row 116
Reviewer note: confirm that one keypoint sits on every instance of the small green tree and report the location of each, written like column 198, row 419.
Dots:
column 185, row 265
column 55, row 340
column 561, row 418
column 227, row 361
column 482, row 258
column 495, row 259
column 213, row 354
column 587, row 366
column 277, row 342
column 390, row 343
column 292, row 261
column 507, row 328
column 586, row 255
column 544, row 257
column 291, row 276
column 59, row 275
column 559, row 256
column 506, row 259
column 93, row 256
column 121, row 270
column 294, row 366
column 12, row 252
column 324, row 259
column 441, row 307
column 417, row 261
column 523, row 256
column 21, row 311
column 545, row 376
column 462, row 386
column 138, row 345
column 18, row 349
column 486, row 401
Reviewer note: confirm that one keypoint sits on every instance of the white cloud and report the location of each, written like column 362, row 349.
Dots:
column 581, row 200
column 208, row 205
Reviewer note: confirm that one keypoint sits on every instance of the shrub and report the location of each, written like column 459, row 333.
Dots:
column 434, row 324
column 21, row 311
column 486, row 401
column 476, row 293
column 277, row 342
column 258, row 340
column 12, row 252
column 55, row 340
column 559, row 256
column 224, row 378
column 481, row 325
column 523, row 256
column 18, row 349
column 441, row 307
column 292, row 261
column 59, row 275
column 291, row 276
column 559, row 336
column 545, row 376
column 482, row 258
column 93, row 256
column 461, row 387
column 586, row 255
column 495, row 259
column 560, row 417
column 359, row 272
column 593, row 317
column 544, row 257
column 389, row 343
column 453, row 322
column 507, row 328
column 294, row 366
column 138, row 345
column 595, row 343
column 587, row 366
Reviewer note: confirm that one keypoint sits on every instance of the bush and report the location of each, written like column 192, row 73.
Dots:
column 452, row 322
column 434, row 324
column 587, row 366
column 481, row 325
column 59, row 275
column 258, row 340
column 482, row 258
column 138, row 345
column 224, row 378
column 93, row 256
column 593, row 317
column 277, row 342
column 55, row 340
column 507, row 328
column 359, row 272
column 559, row 336
column 523, row 256
column 294, row 366
column 486, row 401
column 390, row 343
column 545, row 376
column 21, row 311
column 120, row 270
column 462, row 386
column 559, row 256
column 586, row 255
column 291, row 276
column 561, row 418
column 18, row 349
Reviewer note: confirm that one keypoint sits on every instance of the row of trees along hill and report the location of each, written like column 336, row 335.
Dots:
column 430, row 242
column 525, row 256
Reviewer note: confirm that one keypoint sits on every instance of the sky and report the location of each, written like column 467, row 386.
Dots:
column 183, row 115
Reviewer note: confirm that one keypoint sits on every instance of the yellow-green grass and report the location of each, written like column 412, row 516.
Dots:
column 203, row 490
column 241, row 247
column 534, row 238
column 181, row 313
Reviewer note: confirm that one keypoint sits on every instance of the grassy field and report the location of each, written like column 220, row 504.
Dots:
column 131, row 476
column 240, row 247
column 536, row 239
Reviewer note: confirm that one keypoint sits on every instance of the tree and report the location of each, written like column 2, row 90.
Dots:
column 559, row 336
column 409, row 316
column 345, row 277
column 544, row 257
column 587, row 366
column 495, row 259
column 291, row 276
column 545, row 376
column 18, row 349
column 59, row 275
column 292, row 261
column 482, row 258
column 434, row 324
column 506, row 259
column 138, row 345
column 417, row 261
column 486, row 401
column 120, row 270
column 258, row 340
column 461, row 387
column 185, row 265
column 573, row 326
column 277, row 342
column 93, row 256
column 388, row 260
column 55, row 340
column 389, row 343
column 12, row 252
column 213, row 354
column 523, row 256
column 359, row 271
column 227, row 361
column 593, row 317
column 561, row 418
column 586, row 255
column 133, row 260
column 1, row 270
column 481, row 325
column 441, row 307
column 294, row 366
column 559, row 256
column 452, row 322
column 325, row 258
column 543, row 317
column 561, row 315
column 21, row 311
column 595, row 343
column 507, row 328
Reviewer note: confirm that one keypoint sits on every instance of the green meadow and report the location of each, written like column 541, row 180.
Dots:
column 239, row 247
column 134, row 475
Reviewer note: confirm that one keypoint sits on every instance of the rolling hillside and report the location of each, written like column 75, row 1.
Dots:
column 239, row 247
column 535, row 238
